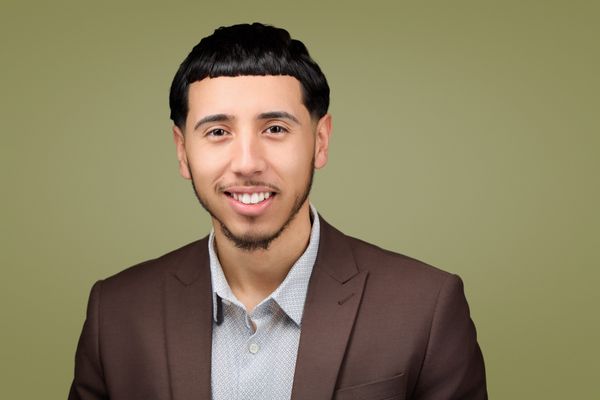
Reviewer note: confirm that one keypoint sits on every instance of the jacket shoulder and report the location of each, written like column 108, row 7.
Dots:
column 387, row 270
column 151, row 272
column 377, row 260
column 389, row 273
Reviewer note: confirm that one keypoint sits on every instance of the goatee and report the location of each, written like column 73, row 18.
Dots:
column 250, row 242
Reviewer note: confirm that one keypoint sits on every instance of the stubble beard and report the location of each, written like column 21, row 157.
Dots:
column 249, row 242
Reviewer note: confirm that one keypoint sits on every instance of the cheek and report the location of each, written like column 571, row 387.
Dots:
column 294, row 161
column 205, row 165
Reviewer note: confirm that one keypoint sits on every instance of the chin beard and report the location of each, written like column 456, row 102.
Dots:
column 258, row 242
column 254, row 242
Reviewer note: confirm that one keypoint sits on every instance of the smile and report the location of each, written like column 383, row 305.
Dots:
column 250, row 204
column 250, row 198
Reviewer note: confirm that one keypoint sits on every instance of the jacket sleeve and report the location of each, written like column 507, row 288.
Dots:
column 88, row 382
column 453, row 367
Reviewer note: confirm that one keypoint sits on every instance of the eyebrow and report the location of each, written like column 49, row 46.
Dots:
column 214, row 118
column 227, row 117
column 278, row 115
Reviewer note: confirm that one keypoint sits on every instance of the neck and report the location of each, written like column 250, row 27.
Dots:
column 254, row 275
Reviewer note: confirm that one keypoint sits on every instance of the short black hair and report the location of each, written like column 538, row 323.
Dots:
column 249, row 49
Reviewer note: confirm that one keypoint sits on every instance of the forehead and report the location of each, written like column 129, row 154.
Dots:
column 242, row 95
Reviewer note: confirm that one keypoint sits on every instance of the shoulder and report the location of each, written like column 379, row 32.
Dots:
column 375, row 259
column 389, row 271
column 148, row 275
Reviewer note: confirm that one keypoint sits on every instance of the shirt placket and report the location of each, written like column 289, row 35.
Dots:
column 255, row 379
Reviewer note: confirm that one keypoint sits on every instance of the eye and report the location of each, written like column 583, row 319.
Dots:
column 217, row 132
column 276, row 130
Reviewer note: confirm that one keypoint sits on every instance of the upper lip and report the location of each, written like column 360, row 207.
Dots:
column 249, row 189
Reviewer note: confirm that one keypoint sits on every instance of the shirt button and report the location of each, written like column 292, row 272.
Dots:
column 253, row 348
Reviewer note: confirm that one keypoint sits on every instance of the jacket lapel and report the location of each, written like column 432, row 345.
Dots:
column 332, row 301
column 188, row 309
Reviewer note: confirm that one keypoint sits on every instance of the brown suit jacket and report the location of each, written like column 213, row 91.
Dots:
column 377, row 325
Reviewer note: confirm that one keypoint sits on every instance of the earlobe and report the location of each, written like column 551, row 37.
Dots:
column 179, row 139
column 323, row 133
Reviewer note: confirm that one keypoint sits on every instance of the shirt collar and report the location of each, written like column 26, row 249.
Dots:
column 290, row 295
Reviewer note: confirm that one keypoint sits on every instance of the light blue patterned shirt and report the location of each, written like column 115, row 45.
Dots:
column 248, row 364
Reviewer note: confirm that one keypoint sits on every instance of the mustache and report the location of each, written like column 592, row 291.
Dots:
column 225, row 187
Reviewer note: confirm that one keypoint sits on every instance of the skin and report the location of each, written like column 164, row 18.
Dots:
column 253, row 133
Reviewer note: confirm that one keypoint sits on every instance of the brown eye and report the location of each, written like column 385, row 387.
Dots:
column 276, row 130
column 216, row 132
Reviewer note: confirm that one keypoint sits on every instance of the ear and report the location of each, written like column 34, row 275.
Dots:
column 179, row 139
column 323, row 133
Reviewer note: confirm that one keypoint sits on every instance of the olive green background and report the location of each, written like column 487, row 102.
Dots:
column 466, row 135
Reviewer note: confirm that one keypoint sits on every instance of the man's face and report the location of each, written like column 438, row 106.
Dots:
column 250, row 147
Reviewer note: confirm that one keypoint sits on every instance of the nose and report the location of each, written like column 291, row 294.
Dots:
column 247, row 158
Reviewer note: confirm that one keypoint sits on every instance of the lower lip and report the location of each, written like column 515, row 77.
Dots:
column 250, row 210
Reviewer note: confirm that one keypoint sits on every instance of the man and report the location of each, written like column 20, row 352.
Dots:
column 275, row 303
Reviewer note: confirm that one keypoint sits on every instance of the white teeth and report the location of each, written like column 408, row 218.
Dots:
column 251, row 198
